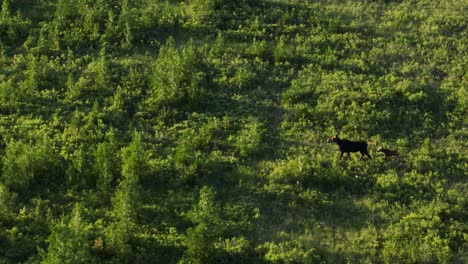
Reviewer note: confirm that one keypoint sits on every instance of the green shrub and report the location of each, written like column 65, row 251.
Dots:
column 249, row 141
column 290, row 252
column 69, row 241
column 26, row 164
column 178, row 78
column 200, row 240
column 419, row 237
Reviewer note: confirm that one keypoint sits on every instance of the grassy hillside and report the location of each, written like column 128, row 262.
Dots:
column 196, row 131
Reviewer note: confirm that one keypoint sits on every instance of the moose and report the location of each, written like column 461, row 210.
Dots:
column 347, row 146
column 388, row 152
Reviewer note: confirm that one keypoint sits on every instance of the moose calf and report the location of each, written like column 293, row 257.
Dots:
column 347, row 146
column 388, row 152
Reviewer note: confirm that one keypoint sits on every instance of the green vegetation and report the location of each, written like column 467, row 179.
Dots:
column 194, row 131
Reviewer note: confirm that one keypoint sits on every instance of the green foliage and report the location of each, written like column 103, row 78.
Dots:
column 26, row 164
column 178, row 78
column 105, row 165
column 290, row 252
column 134, row 159
column 195, row 131
column 127, row 200
column 69, row 240
column 211, row 12
column 201, row 10
column 249, row 140
column 7, row 201
column 13, row 28
column 424, row 235
column 200, row 239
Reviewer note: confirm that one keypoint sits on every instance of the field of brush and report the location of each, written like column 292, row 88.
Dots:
column 196, row 131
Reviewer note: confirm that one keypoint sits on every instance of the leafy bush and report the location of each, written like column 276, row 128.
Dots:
column 69, row 241
column 424, row 236
column 178, row 77
column 290, row 252
column 249, row 140
column 200, row 239
column 26, row 164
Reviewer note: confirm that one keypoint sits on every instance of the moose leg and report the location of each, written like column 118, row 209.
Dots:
column 364, row 153
column 368, row 155
column 341, row 155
